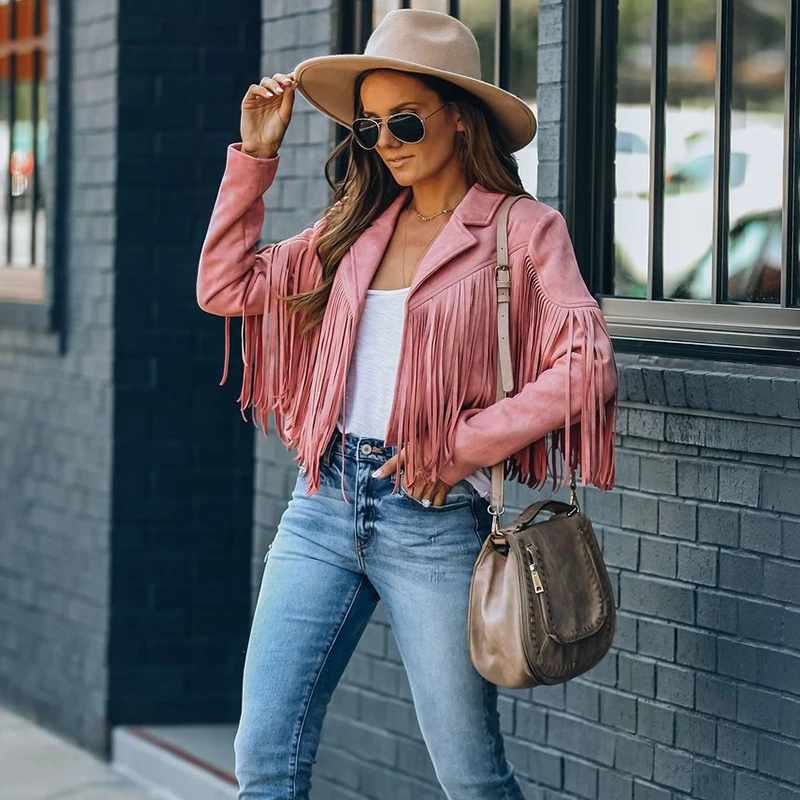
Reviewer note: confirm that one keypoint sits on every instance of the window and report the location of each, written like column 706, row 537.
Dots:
column 507, row 32
column 23, row 149
column 685, row 127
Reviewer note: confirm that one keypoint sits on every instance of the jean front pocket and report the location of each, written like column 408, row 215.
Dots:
column 459, row 495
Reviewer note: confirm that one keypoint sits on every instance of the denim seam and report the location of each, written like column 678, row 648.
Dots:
column 316, row 682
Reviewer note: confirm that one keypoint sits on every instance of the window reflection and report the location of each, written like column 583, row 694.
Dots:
column 523, row 79
column 480, row 16
column 756, row 150
column 23, row 133
column 380, row 8
column 757, row 117
column 632, row 165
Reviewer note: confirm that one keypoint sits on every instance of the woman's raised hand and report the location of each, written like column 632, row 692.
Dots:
column 266, row 113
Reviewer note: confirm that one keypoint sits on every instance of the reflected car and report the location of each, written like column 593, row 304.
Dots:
column 755, row 190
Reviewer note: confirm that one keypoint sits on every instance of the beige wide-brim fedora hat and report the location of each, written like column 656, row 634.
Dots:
column 414, row 40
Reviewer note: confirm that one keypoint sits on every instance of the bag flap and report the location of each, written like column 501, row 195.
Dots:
column 573, row 605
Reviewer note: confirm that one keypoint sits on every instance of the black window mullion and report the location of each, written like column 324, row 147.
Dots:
column 453, row 8
column 790, row 262
column 405, row 4
column 502, row 44
column 658, row 136
column 723, row 90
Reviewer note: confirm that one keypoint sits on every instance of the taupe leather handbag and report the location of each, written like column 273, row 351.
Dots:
column 541, row 607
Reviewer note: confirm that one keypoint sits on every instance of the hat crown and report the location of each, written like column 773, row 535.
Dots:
column 428, row 38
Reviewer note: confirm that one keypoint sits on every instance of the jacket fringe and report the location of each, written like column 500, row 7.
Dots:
column 443, row 342
column 302, row 378
column 586, row 444
column 299, row 376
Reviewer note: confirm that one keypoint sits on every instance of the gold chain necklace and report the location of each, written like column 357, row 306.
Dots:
column 405, row 238
column 433, row 216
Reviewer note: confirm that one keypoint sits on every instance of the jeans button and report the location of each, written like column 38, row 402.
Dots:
column 366, row 449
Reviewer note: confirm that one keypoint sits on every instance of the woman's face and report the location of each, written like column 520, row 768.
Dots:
column 387, row 92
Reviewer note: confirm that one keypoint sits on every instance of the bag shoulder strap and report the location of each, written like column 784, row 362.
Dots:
column 505, row 378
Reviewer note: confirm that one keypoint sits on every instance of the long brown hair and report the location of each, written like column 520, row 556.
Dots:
column 368, row 187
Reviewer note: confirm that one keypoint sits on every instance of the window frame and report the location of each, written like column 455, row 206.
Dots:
column 737, row 331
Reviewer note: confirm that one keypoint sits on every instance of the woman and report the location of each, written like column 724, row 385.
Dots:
column 372, row 336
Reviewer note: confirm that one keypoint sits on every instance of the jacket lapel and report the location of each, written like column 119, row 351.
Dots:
column 358, row 267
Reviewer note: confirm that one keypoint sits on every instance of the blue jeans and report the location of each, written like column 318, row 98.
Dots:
column 326, row 569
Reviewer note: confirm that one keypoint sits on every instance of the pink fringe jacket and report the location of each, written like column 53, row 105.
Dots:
column 444, row 409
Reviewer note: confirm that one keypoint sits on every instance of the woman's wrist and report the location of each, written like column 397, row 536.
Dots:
column 260, row 152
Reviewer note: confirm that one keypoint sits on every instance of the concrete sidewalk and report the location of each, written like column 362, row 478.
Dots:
column 36, row 764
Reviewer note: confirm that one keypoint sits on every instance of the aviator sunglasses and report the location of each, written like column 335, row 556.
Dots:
column 406, row 126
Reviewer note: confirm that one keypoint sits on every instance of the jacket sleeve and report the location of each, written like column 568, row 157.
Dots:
column 565, row 376
column 233, row 278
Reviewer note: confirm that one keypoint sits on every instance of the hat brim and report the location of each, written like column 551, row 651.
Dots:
column 328, row 82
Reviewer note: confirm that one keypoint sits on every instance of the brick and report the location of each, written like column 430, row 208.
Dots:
column 639, row 512
column 580, row 778
column 634, row 756
column 675, row 685
column 718, row 391
column 674, row 388
column 697, row 479
column 657, row 639
column 656, row 596
column 738, row 485
column 672, row 768
column 741, row 572
column 786, row 397
column 759, row 708
column 712, row 780
column 625, row 632
column 634, row 384
column 697, row 564
column 657, row 474
column 618, row 709
column 790, row 539
column 760, row 620
column 636, row 675
column 656, row 721
column 581, row 738
column 696, row 648
column 717, row 525
column 654, row 386
column 779, row 758
column 696, row 395
column 621, row 549
column 658, row 557
column 645, row 424
column 583, row 699
column 677, row 518
column 646, row 791
column 782, row 581
column 742, row 397
column 763, row 396
column 716, row 695
column 736, row 745
column 614, row 786
column 717, row 610
column 779, row 492
column 760, row 532
column 695, row 733
column 627, row 469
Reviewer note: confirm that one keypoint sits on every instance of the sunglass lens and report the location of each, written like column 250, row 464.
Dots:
column 366, row 132
column 406, row 127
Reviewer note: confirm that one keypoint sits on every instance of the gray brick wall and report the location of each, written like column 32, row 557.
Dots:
column 55, row 423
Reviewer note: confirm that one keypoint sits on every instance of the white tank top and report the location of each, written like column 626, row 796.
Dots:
column 372, row 375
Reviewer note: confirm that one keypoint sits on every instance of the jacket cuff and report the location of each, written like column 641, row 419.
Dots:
column 250, row 172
